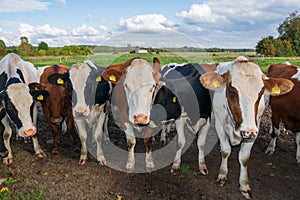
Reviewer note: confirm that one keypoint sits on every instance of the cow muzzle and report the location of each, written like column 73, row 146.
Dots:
column 56, row 119
column 81, row 113
column 140, row 119
column 28, row 132
column 249, row 133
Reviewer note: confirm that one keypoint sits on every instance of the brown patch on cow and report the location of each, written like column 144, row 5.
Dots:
column 257, row 104
column 281, row 71
column 210, row 67
column 232, row 96
column 245, row 162
column 156, row 69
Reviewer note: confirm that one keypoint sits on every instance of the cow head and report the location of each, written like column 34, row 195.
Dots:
column 243, row 85
column 139, row 79
column 18, row 100
column 87, row 85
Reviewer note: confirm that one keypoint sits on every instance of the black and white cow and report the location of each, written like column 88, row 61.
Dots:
column 90, row 95
column 19, row 101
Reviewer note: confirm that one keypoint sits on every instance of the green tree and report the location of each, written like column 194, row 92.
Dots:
column 266, row 46
column 43, row 46
column 289, row 29
column 2, row 48
column 24, row 48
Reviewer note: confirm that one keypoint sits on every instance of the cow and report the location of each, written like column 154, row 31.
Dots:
column 90, row 102
column 139, row 87
column 238, row 105
column 18, row 99
column 58, row 107
column 285, row 108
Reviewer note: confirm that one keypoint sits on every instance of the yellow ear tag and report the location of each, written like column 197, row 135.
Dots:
column 174, row 99
column 60, row 81
column 112, row 78
column 275, row 89
column 216, row 83
column 36, row 88
column 98, row 79
column 40, row 97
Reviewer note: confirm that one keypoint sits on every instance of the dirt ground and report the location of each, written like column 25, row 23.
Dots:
column 61, row 177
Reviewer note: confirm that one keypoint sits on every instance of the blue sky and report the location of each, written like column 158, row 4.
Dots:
column 157, row 23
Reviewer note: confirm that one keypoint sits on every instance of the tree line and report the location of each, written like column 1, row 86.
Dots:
column 288, row 41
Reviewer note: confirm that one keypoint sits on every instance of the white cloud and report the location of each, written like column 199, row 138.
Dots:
column 151, row 22
column 202, row 13
column 84, row 30
column 64, row 2
column 22, row 6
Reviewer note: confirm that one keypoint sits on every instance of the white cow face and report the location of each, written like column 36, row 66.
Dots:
column 245, row 85
column 139, row 86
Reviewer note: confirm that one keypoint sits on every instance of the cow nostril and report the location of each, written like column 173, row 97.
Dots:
column 249, row 134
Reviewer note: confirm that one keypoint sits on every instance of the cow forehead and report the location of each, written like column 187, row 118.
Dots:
column 79, row 73
column 139, row 72
column 19, row 94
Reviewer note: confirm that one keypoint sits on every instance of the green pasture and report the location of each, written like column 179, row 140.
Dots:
column 105, row 59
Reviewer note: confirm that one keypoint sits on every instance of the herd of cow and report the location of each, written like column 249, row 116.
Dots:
column 83, row 95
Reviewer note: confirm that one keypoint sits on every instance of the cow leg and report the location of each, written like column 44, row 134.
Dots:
column 106, row 136
column 70, row 130
column 163, row 134
column 181, row 142
column 225, row 152
column 83, row 136
column 298, row 147
column 6, row 136
column 98, row 138
column 37, row 147
column 244, row 155
column 148, row 145
column 131, row 141
column 201, row 145
column 54, row 130
column 271, row 147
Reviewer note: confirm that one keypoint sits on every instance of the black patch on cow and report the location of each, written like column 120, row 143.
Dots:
column 3, row 150
column 165, row 106
column 184, row 82
column 3, row 79
column 12, row 111
column 12, row 80
column 36, row 93
column 21, row 75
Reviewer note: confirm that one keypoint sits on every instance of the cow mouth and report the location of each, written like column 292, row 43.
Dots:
column 248, row 136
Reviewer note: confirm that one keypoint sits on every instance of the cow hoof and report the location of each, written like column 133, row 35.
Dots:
column 41, row 155
column 102, row 163
column 82, row 161
column 269, row 152
column 247, row 194
column 7, row 161
column 221, row 181
column 130, row 167
column 203, row 170
column 175, row 168
column 150, row 167
column 163, row 142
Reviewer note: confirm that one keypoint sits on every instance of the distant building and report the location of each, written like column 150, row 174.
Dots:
column 141, row 51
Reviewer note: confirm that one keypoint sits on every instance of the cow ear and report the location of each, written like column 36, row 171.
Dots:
column 212, row 80
column 35, row 86
column 112, row 75
column 157, row 69
column 277, row 86
column 58, row 79
column 39, row 95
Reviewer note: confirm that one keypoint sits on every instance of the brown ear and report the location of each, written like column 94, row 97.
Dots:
column 278, row 86
column 212, row 80
column 157, row 69
column 111, row 75
column 36, row 86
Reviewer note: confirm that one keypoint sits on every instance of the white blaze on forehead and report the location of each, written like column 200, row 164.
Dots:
column 297, row 75
column 22, row 100
column 247, row 79
column 79, row 73
column 138, row 83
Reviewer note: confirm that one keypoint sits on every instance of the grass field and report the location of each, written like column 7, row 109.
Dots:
column 105, row 59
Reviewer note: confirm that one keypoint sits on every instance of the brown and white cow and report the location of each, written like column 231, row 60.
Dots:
column 285, row 108
column 134, row 79
column 238, row 104
column 19, row 101
column 58, row 107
